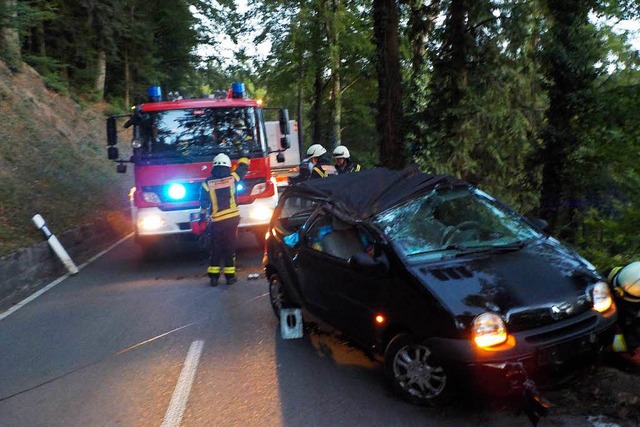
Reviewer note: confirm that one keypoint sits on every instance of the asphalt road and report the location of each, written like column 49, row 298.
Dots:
column 132, row 341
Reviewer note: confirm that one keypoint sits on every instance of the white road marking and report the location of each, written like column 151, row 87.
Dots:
column 57, row 281
column 173, row 416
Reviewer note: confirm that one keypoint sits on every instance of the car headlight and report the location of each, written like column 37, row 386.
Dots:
column 601, row 297
column 488, row 329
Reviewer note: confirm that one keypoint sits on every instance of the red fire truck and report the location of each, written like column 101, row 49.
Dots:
column 173, row 144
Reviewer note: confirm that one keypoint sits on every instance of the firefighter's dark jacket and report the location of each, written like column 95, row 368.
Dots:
column 309, row 172
column 219, row 191
column 350, row 167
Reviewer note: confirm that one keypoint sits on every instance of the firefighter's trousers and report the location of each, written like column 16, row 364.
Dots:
column 224, row 236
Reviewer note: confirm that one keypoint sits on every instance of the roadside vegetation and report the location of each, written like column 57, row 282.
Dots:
column 534, row 101
column 52, row 162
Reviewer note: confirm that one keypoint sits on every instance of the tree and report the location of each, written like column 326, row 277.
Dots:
column 571, row 50
column 9, row 32
column 390, row 111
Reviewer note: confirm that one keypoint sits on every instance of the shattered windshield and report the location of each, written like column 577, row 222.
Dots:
column 452, row 219
column 200, row 132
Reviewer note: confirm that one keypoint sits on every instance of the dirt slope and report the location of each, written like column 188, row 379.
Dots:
column 52, row 161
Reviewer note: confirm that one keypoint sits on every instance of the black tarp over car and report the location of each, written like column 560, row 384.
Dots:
column 364, row 194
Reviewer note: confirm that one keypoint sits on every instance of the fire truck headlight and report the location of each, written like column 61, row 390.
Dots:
column 150, row 197
column 261, row 213
column 149, row 223
column 177, row 191
column 259, row 188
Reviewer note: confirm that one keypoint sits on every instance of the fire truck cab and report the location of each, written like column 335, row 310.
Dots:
column 173, row 145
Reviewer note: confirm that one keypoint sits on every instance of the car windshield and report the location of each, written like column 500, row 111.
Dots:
column 453, row 219
column 200, row 132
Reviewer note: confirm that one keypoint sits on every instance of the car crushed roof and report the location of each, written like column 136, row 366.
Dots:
column 364, row 194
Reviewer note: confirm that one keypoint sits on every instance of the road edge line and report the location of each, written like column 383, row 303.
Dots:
column 51, row 285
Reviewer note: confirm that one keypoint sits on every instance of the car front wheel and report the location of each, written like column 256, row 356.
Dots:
column 415, row 373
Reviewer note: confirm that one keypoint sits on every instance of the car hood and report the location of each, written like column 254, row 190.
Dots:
column 540, row 283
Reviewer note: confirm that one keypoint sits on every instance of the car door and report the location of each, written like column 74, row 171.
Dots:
column 352, row 298
column 287, row 230
column 312, row 269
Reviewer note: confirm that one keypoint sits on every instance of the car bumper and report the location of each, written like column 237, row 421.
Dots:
column 540, row 352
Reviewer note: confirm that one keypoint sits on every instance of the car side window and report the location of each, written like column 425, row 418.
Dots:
column 294, row 213
column 335, row 237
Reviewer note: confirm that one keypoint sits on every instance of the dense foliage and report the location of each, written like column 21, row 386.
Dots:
column 534, row 100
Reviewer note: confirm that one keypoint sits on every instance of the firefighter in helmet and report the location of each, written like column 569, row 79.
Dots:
column 239, row 139
column 218, row 197
column 311, row 166
column 344, row 162
column 625, row 283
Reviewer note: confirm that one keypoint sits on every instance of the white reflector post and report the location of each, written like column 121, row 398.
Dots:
column 291, row 323
column 55, row 244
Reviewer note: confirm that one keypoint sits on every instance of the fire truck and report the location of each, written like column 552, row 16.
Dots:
column 173, row 144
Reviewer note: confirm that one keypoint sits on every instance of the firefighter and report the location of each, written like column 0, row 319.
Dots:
column 344, row 162
column 311, row 166
column 625, row 283
column 218, row 196
column 240, row 138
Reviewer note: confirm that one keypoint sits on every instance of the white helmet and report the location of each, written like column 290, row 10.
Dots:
column 341, row 152
column 222, row 160
column 316, row 150
column 629, row 280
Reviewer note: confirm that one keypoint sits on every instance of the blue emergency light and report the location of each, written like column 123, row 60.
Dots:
column 238, row 90
column 154, row 93
column 177, row 191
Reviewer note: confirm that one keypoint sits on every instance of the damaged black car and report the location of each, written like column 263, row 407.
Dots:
column 445, row 283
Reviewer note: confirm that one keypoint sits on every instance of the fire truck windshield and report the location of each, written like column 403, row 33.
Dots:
column 188, row 133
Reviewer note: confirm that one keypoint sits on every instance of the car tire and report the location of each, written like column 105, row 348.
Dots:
column 278, row 295
column 415, row 373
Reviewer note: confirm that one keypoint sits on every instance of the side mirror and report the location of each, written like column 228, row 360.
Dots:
column 365, row 263
column 284, row 122
column 112, row 133
column 284, row 142
column 112, row 153
column 280, row 157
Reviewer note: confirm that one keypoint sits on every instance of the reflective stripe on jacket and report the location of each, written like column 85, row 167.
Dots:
column 219, row 192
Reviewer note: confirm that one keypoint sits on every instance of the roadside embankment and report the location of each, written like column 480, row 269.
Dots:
column 29, row 269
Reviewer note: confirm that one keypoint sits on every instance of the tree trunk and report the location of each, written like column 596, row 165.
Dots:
column 9, row 35
column 332, row 14
column 101, row 73
column 127, row 80
column 390, row 115
column 316, row 136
